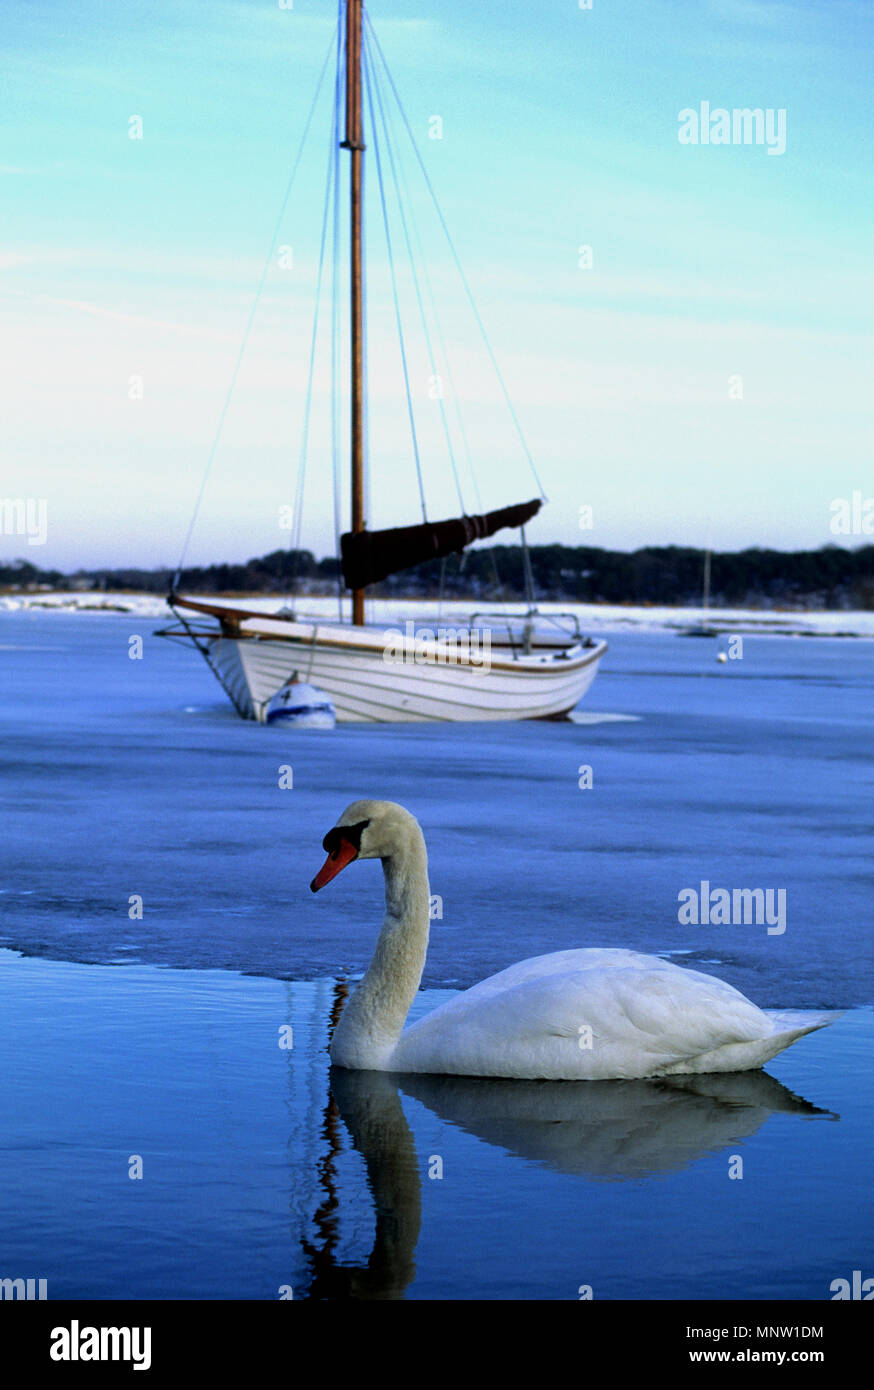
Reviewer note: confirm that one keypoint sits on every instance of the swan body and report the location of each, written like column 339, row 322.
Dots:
column 581, row 1015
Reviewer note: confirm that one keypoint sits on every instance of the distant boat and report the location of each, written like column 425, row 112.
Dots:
column 703, row 628
column 533, row 671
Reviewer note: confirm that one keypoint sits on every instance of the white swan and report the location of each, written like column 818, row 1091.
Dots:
column 573, row 1015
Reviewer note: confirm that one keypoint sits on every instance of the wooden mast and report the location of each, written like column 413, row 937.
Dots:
column 355, row 145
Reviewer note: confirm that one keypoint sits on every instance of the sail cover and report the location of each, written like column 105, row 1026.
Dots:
column 369, row 556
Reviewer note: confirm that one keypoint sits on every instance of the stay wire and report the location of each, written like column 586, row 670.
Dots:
column 450, row 376
column 455, row 256
column 394, row 286
column 330, row 196
column 335, row 328
column 415, row 277
column 252, row 311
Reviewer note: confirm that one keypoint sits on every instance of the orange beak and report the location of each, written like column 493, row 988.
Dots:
column 335, row 861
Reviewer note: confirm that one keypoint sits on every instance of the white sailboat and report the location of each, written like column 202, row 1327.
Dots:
column 527, row 667
column 704, row 628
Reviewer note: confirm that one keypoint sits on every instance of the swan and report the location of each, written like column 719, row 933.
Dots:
column 581, row 1015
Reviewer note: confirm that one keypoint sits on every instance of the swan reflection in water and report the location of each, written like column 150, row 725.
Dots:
column 599, row 1130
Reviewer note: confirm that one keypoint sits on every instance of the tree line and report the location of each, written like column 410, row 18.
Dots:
column 831, row 577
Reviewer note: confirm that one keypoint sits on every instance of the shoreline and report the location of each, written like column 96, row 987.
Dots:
column 857, row 624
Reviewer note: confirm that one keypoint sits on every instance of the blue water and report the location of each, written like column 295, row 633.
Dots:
column 134, row 778
column 252, row 1183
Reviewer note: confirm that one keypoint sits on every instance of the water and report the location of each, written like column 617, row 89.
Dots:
column 250, row 1186
column 127, row 778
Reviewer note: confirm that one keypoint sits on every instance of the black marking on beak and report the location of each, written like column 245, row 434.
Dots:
column 350, row 833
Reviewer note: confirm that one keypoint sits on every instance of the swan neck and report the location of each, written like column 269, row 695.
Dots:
column 373, row 1019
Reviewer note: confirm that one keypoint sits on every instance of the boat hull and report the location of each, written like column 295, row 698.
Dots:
column 383, row 676
column 366, row 689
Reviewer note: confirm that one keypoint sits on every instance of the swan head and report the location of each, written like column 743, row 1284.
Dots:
column 366, row 830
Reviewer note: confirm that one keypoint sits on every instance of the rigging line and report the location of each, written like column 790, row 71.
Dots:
column 260, row 286
column 305, row 432
column 453, row 390
column 422, row 314
column 365, row 364
column 447, row 361
column 460, row 268
column 366, row 66
column 335, row 327
column 527, row 571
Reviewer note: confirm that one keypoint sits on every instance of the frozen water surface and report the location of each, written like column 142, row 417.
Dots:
column 135, row 777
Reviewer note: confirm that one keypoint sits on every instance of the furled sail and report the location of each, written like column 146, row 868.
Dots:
column 369, row 556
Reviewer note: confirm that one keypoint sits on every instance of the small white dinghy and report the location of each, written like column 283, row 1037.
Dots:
column 302, row 704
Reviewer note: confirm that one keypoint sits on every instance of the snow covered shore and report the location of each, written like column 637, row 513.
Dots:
column 594, row 618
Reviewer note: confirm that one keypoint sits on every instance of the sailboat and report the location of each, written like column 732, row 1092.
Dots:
column 703, row 628
column 527, row 666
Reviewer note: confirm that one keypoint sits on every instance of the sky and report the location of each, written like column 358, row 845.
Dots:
column 702, row 374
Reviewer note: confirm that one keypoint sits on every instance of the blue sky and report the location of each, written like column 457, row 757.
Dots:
column 127, row 259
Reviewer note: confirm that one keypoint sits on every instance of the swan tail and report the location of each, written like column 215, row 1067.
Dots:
column 790, row 1024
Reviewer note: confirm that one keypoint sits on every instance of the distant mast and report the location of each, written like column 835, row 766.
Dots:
column 355, row 145
column 707, row 551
